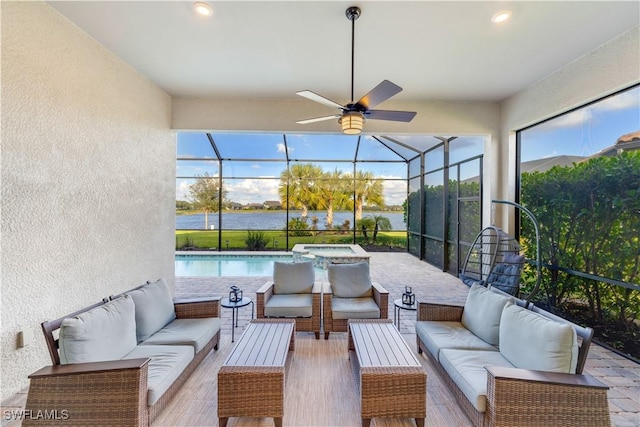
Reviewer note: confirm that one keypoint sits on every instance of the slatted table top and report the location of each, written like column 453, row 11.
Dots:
column 380, row 345
column 262, row 344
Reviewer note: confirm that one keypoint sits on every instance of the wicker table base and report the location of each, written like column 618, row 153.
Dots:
column 392, row 382
column 251, row 381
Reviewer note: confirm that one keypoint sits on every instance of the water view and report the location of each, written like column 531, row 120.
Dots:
column 276, row 220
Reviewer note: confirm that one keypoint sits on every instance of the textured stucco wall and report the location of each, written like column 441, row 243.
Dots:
column 605, row 70
column 88, row 179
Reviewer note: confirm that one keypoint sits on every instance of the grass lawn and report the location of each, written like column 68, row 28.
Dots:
column 275, row 239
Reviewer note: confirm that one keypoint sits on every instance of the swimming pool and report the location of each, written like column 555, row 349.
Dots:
column 227, row 265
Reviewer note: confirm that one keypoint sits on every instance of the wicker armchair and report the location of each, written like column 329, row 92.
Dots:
column 350, row 294
column 292, row 294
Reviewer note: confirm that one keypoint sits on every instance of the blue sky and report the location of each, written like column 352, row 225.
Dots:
column 585, row 131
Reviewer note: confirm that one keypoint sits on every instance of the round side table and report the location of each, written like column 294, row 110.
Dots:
column 397, row 306
column 234, row 306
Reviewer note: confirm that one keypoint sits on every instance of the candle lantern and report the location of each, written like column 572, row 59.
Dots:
column 235, row 295
column 408, row 298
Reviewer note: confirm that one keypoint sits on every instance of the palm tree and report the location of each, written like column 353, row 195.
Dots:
column 381, row 223
column 367, row 190
column 302, row 181
column 334, row 193
column 375, row 223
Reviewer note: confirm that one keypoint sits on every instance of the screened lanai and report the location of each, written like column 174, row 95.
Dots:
column 328, row 187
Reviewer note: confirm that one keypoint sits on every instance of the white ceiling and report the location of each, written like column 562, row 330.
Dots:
column 448, row 50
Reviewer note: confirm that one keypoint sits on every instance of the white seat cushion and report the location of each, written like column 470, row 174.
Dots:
column 292, row 305
column 354, row 308
column 107, row 332
column 194, row 332
column 350, row 280
column 466, row 369
column 154, row 308
column 482, row 312
column 166, row 365
column 293, row 278
column 437, row 335
column 532, row 341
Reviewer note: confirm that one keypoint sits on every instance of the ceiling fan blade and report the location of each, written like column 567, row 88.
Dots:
column 319, row 98
column 396, row 116
column 378, row 94
column 319, row 119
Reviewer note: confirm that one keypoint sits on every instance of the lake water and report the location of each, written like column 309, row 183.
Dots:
column 276, row 220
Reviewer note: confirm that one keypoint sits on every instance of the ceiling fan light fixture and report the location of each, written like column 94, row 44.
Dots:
column 351, row 123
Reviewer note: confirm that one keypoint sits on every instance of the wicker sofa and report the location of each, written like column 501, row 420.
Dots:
column 509, row 364
column 120, row 361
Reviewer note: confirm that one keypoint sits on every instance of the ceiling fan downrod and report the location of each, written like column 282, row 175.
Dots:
column 352, row 13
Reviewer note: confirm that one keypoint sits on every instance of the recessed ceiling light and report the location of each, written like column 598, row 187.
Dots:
column 501, row 16
column 203, row 9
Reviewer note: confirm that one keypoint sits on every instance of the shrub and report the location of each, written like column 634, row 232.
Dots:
column 298, row 227
column 256, row 240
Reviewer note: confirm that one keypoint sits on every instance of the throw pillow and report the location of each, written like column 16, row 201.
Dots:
column 107, row 332
column 293, row 277
column 154, row 308
column 482, row 312
column 350, row 280
column 531, row 341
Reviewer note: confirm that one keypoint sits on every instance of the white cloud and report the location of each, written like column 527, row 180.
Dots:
column 395, row 192
column 252, row 190
column 622, row 101
column 182, row 190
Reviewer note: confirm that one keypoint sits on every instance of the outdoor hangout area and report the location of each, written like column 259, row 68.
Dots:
column 319, row 374
column 320, row 213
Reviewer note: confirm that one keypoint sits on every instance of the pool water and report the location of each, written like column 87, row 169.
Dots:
column 200, row 265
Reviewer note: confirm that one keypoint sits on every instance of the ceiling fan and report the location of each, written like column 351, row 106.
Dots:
column 352, row 115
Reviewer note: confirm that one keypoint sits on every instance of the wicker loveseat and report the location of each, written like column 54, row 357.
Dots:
column 120, row 361
column 512, row 365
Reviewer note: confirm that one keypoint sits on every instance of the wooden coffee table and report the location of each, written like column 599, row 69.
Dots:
column 391, row 381
column 251, row 381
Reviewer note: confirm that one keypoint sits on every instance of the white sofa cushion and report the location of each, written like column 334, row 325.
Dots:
column 292, row 305
column 350, row 280
column 194, row 332
column 531, row 341
column 293, row 277
column 166, row 365
column 354, row 308
column 437, row 335
column 154, row 308
column 466, row 369
column 482, row 313
column 107, row 332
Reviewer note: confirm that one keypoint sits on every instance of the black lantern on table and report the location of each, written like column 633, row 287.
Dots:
column 235, row 295
column 408, row 298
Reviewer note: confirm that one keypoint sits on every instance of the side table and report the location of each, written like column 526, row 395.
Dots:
column 234, row 306
column 397, row 306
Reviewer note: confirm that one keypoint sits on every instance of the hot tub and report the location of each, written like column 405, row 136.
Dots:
column 324, row 254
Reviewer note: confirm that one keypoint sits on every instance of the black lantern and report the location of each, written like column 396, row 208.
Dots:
column 408, row 298
column 235, row 295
